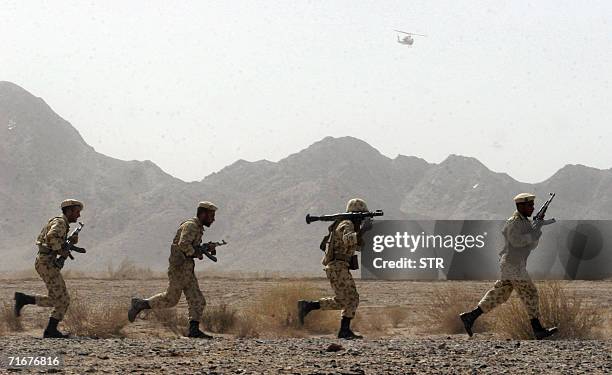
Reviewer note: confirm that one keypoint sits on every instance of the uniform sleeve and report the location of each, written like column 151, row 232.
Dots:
column 349, row 236
column 56, row 234
column 517, row 238
column 189, row 232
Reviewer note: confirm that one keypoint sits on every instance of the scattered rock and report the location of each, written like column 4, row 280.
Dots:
column 334, row 347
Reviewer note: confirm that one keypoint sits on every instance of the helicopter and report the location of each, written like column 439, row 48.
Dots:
column 408, row 39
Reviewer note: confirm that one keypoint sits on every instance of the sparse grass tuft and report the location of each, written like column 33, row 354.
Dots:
column 607, row 331
column 558, row 307
column 219, row 319
column 246, row 326
column 322, row 322
column 74, row 274
column 2, row 328
column 26, row 274
column 8, row 319
column 170, row 319
column 442, row 314
column 275, row 312
column 95, row 319
column 279, row 303
column 372, row 322
column 128, row 270
column 396, row 315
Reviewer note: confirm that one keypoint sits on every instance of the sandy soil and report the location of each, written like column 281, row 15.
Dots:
column 407, row 349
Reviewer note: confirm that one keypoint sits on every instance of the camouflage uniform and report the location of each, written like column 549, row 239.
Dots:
column 342, row 247
column 50, row 244
column 520, row 240
column 181, row 274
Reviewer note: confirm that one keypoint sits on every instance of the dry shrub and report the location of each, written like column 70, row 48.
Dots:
column 168, row 318
column 74, row 274
column 607, row 332
column 128, row 270
column 279, row 303
column 275, row 312
column 377, row 321
column 246, row 326
column 558, row 307
column 368, row 321
column 395, row 315
column 27, row 274
column 95, row 319
column 447, row 302
column 41, row 322
column 219, row 319
column 211, row 273
column 320, row 321
column 9, row 320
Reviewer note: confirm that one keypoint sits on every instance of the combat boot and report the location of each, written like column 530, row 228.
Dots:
column 540, row 332
column 468, row 319
column 51, row 331
column 137, row 306
column 21, row 300
column 194, row 331
column 345, row 330
column 304, row 307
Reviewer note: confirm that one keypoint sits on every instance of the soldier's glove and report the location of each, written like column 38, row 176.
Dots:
column 74, row 239
column 198, row 252
column 212, row 248
column 68, row 247
column 59, row 262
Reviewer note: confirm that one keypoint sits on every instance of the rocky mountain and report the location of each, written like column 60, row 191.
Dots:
column 133, row 208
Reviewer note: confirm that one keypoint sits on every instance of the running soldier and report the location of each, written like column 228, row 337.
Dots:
column 181, row 277
column 344, row 239
column 520, row 239
column 52, row 252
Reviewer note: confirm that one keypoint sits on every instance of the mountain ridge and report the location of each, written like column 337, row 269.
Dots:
column 132, row 208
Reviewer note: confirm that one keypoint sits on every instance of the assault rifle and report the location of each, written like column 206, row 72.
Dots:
column 344, row 216
column 202, row 249
column 70, row 247
column 538, row 219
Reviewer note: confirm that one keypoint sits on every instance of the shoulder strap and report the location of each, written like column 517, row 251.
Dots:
column 330, row 243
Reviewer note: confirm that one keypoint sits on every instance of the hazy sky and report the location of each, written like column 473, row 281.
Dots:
column 524, row 86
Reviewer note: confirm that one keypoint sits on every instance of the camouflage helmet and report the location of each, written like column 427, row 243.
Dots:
column 356, row 205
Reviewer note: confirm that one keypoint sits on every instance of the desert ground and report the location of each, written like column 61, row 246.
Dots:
column 407, row 329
